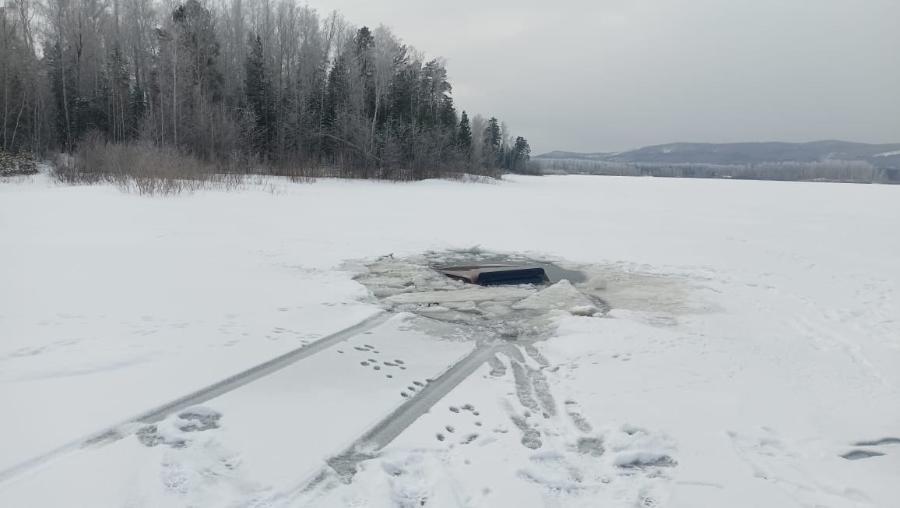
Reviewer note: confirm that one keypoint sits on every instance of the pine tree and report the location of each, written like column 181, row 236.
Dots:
column 364, row 46
column 365, row 41
column 199, row 80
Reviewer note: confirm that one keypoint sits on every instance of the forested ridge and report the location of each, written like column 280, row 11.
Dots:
column 236, row 85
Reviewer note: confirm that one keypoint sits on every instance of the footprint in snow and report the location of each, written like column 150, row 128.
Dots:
column 860, row 454
column 469, row 439
column 592, row 446
column 199, row 419
column 879, row 442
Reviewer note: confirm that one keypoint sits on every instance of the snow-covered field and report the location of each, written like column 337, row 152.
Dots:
column 750, row 355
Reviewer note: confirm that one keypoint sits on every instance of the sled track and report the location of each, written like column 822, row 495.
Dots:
column 128, row 427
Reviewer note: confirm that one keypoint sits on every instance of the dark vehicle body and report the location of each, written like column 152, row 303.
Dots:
column 496, row 274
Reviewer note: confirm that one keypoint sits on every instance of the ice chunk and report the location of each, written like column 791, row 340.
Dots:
column 496, row 294
column 560, row 296
column 584, row 310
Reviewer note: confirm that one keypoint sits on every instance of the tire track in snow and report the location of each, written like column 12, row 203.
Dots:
column 128, row 427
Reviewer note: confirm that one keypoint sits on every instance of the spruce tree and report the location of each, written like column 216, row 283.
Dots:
column 521, row 155
column 464, row 137
column 336, row 104
column 259, row 95
column 492, row 144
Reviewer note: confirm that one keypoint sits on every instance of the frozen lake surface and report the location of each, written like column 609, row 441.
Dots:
column 703, row 343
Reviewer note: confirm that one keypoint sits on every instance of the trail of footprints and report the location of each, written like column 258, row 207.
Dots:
column 387, row 367
column 451, row 431
column 279, row 333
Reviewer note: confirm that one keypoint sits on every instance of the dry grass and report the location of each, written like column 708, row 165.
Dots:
column 144, row 168
column 148, row 169
column 17, row 164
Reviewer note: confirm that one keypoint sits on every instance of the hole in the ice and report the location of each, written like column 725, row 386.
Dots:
column 522, row 310
column 508, row 270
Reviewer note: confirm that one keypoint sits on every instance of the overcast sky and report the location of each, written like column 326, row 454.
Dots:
column 609, row 75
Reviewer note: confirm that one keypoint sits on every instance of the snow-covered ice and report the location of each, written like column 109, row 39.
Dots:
column 731, row 344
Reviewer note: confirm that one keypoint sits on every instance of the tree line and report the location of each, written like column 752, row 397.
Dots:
column 829, row 171
column 268, row 83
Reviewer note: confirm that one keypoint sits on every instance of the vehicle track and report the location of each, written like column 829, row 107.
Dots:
column 128, row 427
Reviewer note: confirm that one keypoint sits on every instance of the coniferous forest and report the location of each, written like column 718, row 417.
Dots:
column 240, row 86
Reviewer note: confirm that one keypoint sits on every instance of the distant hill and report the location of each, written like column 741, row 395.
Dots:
column 598, row 156
column 881, row 156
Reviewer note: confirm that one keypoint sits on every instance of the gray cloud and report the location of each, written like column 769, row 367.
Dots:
column 611, row 75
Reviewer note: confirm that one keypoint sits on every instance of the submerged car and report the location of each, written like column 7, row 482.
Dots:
column 496, row 274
